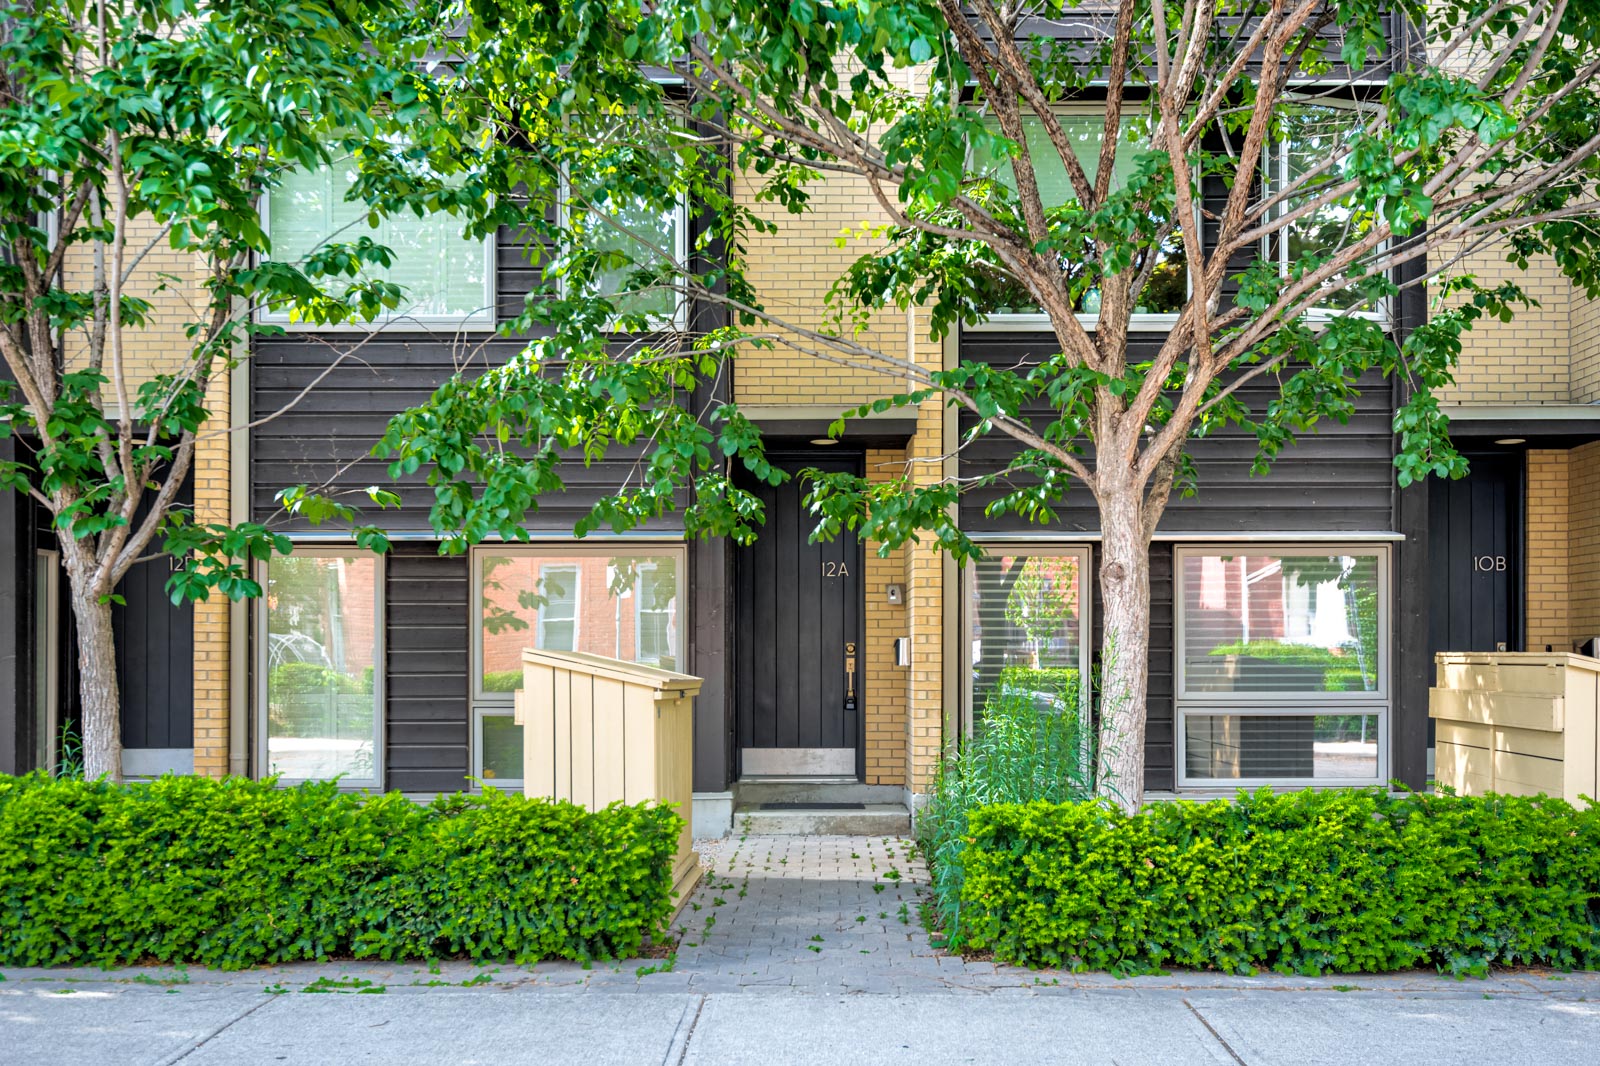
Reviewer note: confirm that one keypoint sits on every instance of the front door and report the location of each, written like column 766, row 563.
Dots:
column 799, row 651
column 1475, row 555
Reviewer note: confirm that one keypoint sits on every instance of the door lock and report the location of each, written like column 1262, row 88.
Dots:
column 849, row 675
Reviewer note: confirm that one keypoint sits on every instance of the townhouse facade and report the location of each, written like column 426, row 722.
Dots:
column 1294, row 615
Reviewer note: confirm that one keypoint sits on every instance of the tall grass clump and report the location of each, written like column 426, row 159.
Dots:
column 1028, row 745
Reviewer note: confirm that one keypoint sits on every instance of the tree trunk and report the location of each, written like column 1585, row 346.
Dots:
column 1124, row 649
column 97, row 685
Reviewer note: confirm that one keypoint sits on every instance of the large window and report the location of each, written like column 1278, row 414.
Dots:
column 1027, row 639
column 1282, row 664
column 623, row 602
column 320, row 657
column 1309, row 135
column 447, row 277
column 1168, row 289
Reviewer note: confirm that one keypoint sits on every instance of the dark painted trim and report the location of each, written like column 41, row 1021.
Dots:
column 711, row 638
column 709, row 589
column 1408, row 747
column 16, row 558
column 1554, row 433
column 858, row 433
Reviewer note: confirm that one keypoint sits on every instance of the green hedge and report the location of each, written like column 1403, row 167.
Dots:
column 1311, row 882
column 237, row 873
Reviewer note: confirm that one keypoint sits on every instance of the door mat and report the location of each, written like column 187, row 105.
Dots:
column 813, row 806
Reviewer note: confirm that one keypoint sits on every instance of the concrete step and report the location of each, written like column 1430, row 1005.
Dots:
column 755, row 793
column 873, row 820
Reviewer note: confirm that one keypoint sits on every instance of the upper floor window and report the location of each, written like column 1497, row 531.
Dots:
column 1310, row 136
column 1168, row 288
column 638, row 236
column 447, row 277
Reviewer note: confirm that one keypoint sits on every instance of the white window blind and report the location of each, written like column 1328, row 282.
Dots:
column 444, row 274
column 1026, row 629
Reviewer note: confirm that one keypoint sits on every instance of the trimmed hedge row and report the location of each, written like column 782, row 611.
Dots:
column 238, row 873
column 1308, row 883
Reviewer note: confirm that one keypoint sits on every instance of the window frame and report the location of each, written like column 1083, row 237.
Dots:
column 380, row 692
column 1083, row 551
column 1378, row 703
column 485, row 319
column 1275, row 246
column 1035, row 321
column 479, row 713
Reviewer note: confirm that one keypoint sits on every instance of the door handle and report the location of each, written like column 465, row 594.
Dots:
column 850, row 675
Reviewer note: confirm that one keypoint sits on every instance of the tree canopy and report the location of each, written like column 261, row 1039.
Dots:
column 1273, row 177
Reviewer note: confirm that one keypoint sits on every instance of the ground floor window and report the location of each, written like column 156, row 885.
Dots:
column 1027, row 639
column 320, row 659
column 1282, row 664
column 623, row 602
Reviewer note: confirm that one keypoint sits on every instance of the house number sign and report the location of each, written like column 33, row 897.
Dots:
column 832, row 569
column 1488, row 564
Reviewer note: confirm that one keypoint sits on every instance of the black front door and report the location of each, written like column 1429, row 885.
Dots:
column 799, row 652
column 1475, row 555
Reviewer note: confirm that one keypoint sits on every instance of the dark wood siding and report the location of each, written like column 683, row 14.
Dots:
column 1160, row 742
column 427, row 649
column 1338, row 479
column 327, row 436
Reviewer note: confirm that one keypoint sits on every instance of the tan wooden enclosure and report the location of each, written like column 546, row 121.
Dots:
column 598, row 731
column 1517, row 723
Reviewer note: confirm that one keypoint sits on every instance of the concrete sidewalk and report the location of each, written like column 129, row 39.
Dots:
column 45, row 1021
column 793, row 950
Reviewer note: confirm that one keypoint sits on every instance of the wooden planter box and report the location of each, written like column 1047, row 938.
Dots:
column 1517, row 723
column 597, row 731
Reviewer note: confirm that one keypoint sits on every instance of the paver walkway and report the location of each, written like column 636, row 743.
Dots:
column 824, row 913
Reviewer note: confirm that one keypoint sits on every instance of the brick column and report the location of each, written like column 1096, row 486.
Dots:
column 211, row 488
column 926, row 697
column 1546, row 565
column 885, row 682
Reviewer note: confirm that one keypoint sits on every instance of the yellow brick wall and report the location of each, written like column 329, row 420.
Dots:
column 1526, row 360
column 172, row 282
column 1585, row 349
column 926, row 592
column 1546, row 567
column 211, row 628
column 792, row 270
column 1583, row 481
column 885, row 706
